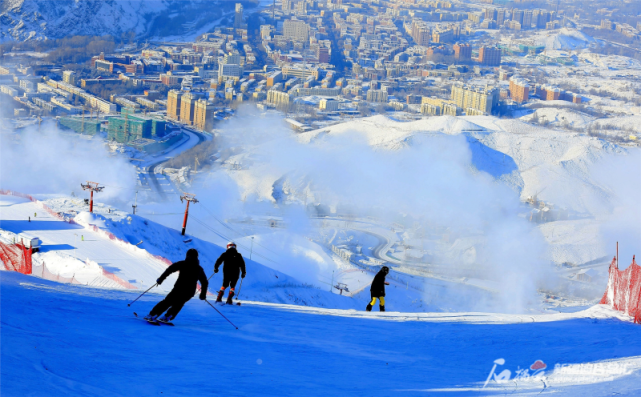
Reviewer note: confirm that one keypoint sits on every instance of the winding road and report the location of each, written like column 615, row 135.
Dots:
column 151, row 169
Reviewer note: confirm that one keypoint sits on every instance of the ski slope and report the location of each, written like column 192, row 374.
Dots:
column 77, row 341
column 79, row 242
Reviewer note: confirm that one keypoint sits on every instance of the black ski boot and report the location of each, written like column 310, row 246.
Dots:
column 231, row 295
column 382, row 308
column 219, row 298
column 368, row 308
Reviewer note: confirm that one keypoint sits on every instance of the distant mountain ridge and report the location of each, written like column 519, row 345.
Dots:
column 40, row 19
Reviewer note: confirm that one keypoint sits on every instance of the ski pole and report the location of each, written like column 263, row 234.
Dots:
column 212, row 275
column 239, row 288
column 129, row 304
column 220, row 313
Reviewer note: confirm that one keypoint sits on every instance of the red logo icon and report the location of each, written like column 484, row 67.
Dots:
column 538, row 364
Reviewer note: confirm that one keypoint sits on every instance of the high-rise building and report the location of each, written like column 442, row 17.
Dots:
column 489, row 24
column 238, row 17
column 204, row 115
column 377, row 96
column 541, row 18
column 607, row 24
column 322, row 54
column 468, row 97
column 278, row 98
column 266, row 31
column 527, row 20
column 513, row 25
column 296, row 30
column 476, row 17
column 500, row 16
column 517, row 15
column 421, row 34
column 69, row 77
column 519, row 89
column 462, row 52
column 187, row 107
column 443, row 36
column 229, row 67
column 173, row 104
column 490, row 13
column 490, row 56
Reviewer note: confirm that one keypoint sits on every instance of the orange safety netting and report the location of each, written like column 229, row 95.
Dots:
column 117, row 279
column 43, row 272
column 624, row 290
column 16, row 258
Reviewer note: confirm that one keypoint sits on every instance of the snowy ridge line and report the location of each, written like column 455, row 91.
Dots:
column 624, row 290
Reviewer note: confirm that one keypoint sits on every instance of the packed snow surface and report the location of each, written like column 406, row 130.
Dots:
column 91, row 344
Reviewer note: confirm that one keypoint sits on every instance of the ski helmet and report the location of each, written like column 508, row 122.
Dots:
column 231, row 244
column 192, row 253
column 385, row 269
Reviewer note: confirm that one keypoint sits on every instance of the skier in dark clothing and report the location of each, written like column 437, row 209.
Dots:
column 234, row 266
column 189, row 272
column 378, row 289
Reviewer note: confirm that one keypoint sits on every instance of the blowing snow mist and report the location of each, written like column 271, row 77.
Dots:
column 428, row 183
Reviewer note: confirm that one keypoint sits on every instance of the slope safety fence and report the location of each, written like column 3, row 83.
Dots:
column 624, row 290
column 16, row 257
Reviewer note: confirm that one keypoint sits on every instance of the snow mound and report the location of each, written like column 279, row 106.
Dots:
column 560, row 117
column 86, row 218
column 564, row 39
column 391, row 134
column 613, row 62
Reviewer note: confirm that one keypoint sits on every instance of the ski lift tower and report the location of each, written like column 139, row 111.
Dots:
column 92, row 187
column 189, row 198
column 341, row 287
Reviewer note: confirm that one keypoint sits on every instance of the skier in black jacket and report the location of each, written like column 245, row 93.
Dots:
column 234, row 266
column 189, row 273
column 378, row 289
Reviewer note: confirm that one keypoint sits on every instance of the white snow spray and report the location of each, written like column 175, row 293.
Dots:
column 621, row 182
column 46, row 160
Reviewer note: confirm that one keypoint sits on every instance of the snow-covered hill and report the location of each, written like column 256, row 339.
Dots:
column 563, row 39
column 38, row 19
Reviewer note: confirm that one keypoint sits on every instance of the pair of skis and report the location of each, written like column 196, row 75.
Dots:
column 153, row 322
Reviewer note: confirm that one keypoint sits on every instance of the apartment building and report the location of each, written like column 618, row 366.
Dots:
column 187, row 106
column 173, row 104
column 519, row 89
column 377, row 96
column 278, row 98
column 483, row 99
column 204, row 115
column 462, row 52
column 296, row 30
column 490, row 56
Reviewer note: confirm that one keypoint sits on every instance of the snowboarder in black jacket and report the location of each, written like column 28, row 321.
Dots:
column 234, row 266
column 378, row 289
column 189, row 272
